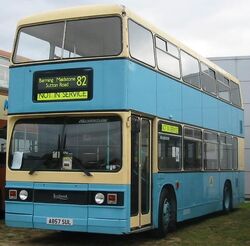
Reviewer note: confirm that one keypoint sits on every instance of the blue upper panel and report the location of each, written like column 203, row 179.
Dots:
column 121, row 84
column 109, row 89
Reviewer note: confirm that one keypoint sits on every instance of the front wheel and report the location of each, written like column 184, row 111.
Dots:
column 167, row 214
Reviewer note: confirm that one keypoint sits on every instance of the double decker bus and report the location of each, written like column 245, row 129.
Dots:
column 115, row 127
column 4, row 78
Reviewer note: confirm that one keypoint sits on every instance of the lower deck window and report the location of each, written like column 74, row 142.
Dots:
column 169, row 152
column 226, row 152
column 211, row 151
column 192, row 149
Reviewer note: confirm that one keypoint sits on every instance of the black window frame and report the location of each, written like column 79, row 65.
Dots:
column 211, row 76
column 198, row 73
column 223, row 81
column 153, row 43
column 173, row 135
column 226, row 140
column 194, row 139
column 209, row 141
column 238, row 91
column 166, row 52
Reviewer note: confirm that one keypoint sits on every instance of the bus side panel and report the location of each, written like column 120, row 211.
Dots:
column 169, row 98
column 141, row 88
column 225, row 123
column 210, row 112
column 199, row 193
column 237, row 119
column 191, row 106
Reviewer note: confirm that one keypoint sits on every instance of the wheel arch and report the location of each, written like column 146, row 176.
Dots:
column 228, row 183
column 171, row 189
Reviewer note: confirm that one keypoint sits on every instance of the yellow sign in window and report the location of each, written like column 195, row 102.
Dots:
column 170, row 128
column 60, row 96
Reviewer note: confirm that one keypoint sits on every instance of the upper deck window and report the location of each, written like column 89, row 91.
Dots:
column 208, row 79
column 235, row 93
column 223, row 87
column 141, row 43
column 70, row 39
column 190, row 69
column 167, row 57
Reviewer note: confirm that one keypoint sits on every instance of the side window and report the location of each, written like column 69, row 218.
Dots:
column 208, row 79
column 167, row 57
column 190, row 69
column 211, row 151
column 223, row 87
column 226, row 152
column 235, row 153
column 141, row 43
column 169, row 146
column 235, row 93
column 192, row 149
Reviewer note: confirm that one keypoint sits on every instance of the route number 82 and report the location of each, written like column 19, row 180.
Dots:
column 81, row 80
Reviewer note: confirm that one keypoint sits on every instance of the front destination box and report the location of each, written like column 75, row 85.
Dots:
column 63, row 85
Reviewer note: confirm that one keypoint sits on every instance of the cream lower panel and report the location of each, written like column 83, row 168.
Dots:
column 241, row 153
column 144, row 220
column 134, row 221
column 68, row 177
column 121, row 177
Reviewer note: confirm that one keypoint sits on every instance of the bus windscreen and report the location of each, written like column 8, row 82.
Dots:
column 66, row 144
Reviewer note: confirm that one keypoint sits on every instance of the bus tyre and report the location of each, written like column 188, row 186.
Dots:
column 227, row 198
column 167, row 214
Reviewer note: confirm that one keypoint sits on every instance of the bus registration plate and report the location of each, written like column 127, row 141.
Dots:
column 59, row 221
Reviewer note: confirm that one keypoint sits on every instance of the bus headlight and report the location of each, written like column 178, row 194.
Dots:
column 99, row 198
column 23, row 195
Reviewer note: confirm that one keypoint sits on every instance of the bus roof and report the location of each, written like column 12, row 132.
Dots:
column 74, row 12
column 111, row 9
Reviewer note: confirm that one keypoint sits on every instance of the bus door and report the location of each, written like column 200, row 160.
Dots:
column 140, row 172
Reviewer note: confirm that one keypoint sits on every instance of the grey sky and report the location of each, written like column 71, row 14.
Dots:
column 210, row 27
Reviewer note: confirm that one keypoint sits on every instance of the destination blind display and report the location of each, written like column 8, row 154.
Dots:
column 63, row 85
column 170, row 128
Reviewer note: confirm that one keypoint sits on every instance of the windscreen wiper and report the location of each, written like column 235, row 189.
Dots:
column 45, row 157
column 80, row 165
column 78, row 161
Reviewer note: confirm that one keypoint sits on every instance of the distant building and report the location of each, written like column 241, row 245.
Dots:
column 239, row 66
column 4, row 69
